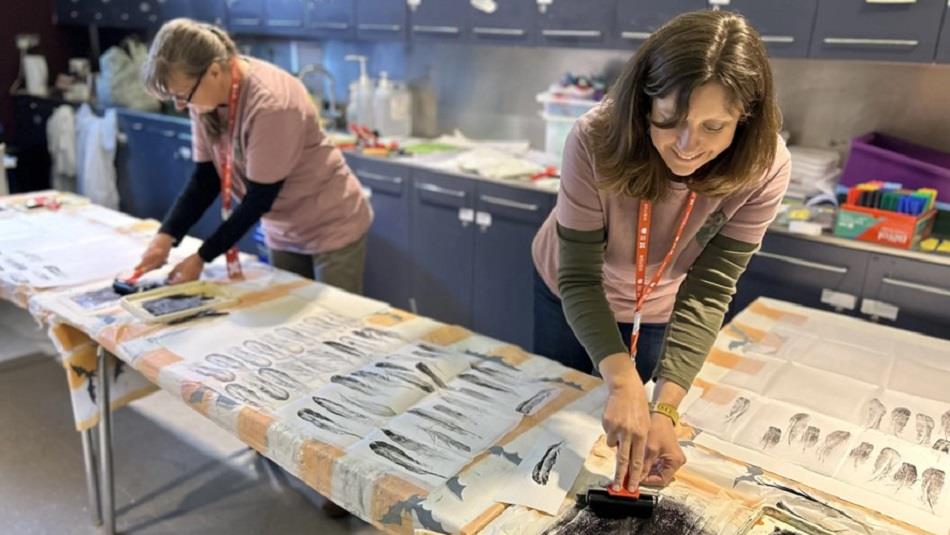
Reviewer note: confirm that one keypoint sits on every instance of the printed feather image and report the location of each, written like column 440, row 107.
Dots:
column 941, row 445
column 885, row 463
column 739, row 408
column 899, row 418
column 225, row 361
column 398, row 457
column 528, row 406
column 249, row 357
column 542, row 470
column 772, row 436
column 322, row 422
column 925, row 427
column 810, row 438
column 796, row 427
column 861, row 453
column 874, row 413
column 905, row 476
column 931, row 486
column 832, row 442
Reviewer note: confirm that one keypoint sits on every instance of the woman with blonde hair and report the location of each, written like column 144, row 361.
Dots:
column 667, row 189
column 256, row 137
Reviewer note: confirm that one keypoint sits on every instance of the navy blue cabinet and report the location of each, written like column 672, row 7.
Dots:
column 381, row 19
column 512, row 22
column 943, row 47
column 388, row 260
column 246, row 15
column 917, row 292
column 443, row 246
column 637, row 19
column 438, row 20
column 331, row 18
column 72, row 12
column 285, row 17
column 862, row 29
column 507, row 218
column 785, row 25
column 576, row 23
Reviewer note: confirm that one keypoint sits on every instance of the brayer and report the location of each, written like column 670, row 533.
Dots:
column 131, row 285
column 614, row 502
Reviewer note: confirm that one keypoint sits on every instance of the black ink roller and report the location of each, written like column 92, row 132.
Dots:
column 127, row 286
column 613, row 502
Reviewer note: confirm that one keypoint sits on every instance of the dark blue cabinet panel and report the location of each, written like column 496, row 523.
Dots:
column 73, row 12
column 388, row 260
column 285, row 17
column 381, row 19
column 442, row 246
column 246, row 15
column 576, row 23
column 785, row 25
column 943, row 47
column 637, row 19
column 920, row 292
column 507, row 218
column 512, row 22
column 439, row 20
column 331, row 18
column 858, row 29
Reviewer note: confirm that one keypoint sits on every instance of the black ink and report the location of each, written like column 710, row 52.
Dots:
column 542, row 470
column 796, row 427
column 400, row 458
column 170, row 304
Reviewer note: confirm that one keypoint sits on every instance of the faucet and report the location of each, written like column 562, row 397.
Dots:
column 319, row 70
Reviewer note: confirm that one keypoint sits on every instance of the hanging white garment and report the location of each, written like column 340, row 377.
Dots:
column 61, row 141
column 96, row 139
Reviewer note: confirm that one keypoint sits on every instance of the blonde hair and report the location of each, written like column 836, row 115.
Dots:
column 691, row 50
column 187, row 47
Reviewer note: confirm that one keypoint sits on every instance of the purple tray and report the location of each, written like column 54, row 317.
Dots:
column 877, row 156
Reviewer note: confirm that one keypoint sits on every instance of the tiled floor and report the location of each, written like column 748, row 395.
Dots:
column 175, row 472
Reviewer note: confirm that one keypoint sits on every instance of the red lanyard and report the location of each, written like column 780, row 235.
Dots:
column 233, row 261
column 644, row 220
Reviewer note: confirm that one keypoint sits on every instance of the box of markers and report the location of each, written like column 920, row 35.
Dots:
column 884, row 227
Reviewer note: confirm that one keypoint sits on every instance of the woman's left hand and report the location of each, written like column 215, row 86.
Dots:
column 663, row 453
column 187, row 270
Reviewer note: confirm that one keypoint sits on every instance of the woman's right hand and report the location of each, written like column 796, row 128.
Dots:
column 156, row 254
column 626, row 417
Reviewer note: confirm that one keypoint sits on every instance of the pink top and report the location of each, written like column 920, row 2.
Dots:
column 743, row 216
column 321, row 206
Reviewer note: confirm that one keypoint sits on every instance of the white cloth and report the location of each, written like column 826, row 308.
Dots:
column 61, row 141
column 120, row 79
column 96, row 139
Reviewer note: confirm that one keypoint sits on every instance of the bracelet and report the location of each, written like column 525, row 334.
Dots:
column 666, row 410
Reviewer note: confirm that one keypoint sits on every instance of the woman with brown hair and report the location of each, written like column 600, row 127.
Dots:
column 667, row 189
column 255, row 137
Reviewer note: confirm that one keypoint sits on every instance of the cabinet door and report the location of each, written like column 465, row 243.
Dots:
column 30, row 144
column 381, row 19
column 637, row 19
column 803, row 271
column 943, row 48
column 902, row 30
column 576, row 23
column 438, row 20
column 246, row 15
column 918, row 293
column 331, row 18
column 285, row 17
column 507, row 219
column 785, row 25
column 212, row 11
column 443, row 246
column 149, row 189
column 388, row 255
column 512, row 22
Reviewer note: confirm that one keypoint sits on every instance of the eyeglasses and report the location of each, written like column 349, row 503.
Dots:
column 191, row 94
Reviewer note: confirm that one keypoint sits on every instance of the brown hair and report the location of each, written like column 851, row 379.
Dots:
column 691, row 50
column 188, row 47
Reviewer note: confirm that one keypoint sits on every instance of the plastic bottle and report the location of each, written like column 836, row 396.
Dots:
column 363, row 95
column 400, row 111
column 381, row 103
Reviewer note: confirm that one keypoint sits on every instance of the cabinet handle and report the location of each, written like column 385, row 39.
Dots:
column 184, row 137
column 168, row 133
column 122, row 138
column 284, row 23
column 501, row 201
column 890, row 1
column 246, row 21
column 436, row 29
column 380, row 27
column 380, row 178
column 778, row 39
column 515, row 32
column 869, row 42
column 572, row 33
column 803, row 263
column 635, row 36
column 915, row 286
column 138, row 127
column 432, row 188
column 330, row 25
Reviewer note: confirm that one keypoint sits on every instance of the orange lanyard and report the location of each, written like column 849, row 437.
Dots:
column 644, row 221
column 233, row 261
